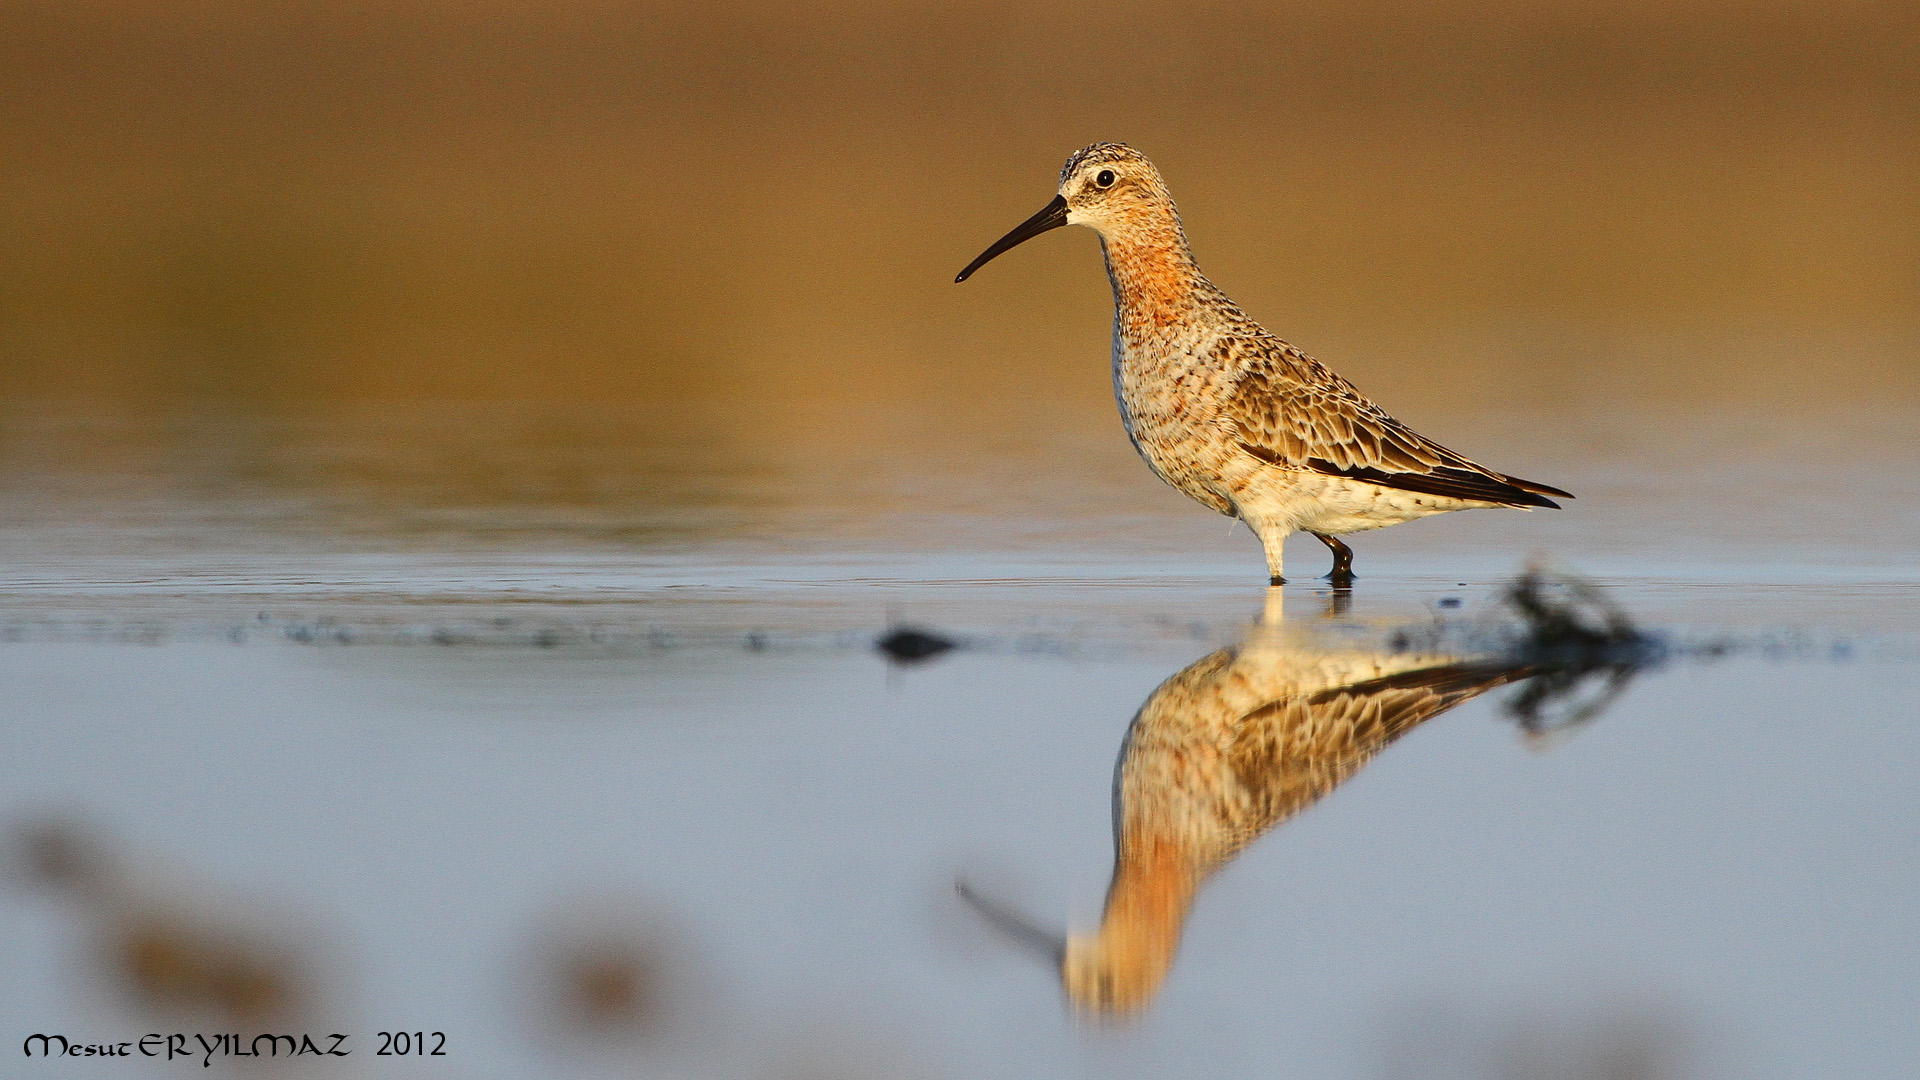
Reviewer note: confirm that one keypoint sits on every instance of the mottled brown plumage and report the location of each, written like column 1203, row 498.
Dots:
column 1228, row 413
column 1238, row 742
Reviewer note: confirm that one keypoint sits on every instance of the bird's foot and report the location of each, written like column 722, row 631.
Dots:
column 1342, row 573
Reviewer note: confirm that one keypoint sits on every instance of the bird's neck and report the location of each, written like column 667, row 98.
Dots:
column 1155, row 282
column 1153, row 889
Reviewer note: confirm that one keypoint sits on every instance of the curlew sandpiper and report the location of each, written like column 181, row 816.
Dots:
column 1231, row 415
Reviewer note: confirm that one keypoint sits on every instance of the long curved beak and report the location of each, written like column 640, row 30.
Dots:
column 1052, row 216
column 1011, row 923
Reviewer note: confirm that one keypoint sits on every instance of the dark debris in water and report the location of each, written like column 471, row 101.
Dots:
column 1568, row 619
column 911, row 645
column 1579, row 648
column 1575, row 638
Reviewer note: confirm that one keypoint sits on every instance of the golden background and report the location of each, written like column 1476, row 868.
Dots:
column 743, row 219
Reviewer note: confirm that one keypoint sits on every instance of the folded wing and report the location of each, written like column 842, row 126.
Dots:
column 1291, row 411
column 1289, row 752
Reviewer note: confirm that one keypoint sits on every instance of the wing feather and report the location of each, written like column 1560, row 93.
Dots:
column 1288, row 753
column 1290, row 410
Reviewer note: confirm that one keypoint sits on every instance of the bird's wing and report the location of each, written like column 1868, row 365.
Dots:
column 1288, row 409
column 1289, row 753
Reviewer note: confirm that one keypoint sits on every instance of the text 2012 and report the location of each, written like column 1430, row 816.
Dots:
column 402, row 1043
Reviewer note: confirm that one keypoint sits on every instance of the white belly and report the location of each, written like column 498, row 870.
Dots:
column 1311, row 502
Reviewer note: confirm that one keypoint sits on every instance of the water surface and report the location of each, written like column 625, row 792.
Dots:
column 437, row 716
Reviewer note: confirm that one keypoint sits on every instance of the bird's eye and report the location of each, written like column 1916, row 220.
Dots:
column 1105, row 179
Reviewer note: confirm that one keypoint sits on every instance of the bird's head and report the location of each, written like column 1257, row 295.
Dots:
column 1111, row 975
column 1109, row 187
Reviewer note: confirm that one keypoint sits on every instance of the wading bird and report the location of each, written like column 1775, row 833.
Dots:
column 1224, row 750
column 1231, row 415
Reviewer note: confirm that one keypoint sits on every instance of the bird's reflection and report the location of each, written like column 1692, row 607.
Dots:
column 1229, row 747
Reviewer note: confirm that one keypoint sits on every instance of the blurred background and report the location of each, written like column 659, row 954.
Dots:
column 740, row 221
column 595, row 370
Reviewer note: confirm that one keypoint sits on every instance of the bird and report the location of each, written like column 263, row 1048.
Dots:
column 1231, row 415
column 1226, row 749
column 1220, row 753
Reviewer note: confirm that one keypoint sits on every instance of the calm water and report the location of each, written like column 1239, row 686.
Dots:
column 568, row 741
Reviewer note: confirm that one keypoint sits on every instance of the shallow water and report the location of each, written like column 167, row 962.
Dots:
column 436, row 717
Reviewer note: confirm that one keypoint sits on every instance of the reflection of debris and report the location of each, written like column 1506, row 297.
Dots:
column 1571, row 636
column 62, row 855
column 910, row 645
column 615, row 969
column 165, row 956
column 608, row 985
column 171, row 964
column 617, row 984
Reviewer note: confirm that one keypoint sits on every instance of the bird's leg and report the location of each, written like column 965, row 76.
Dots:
column 1342, row 560
column 1273, row 543
column 1274, row 613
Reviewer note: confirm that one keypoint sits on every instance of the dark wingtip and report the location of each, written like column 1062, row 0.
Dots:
column 1448, row 481
column 1527, row 497
column 1539, row 492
